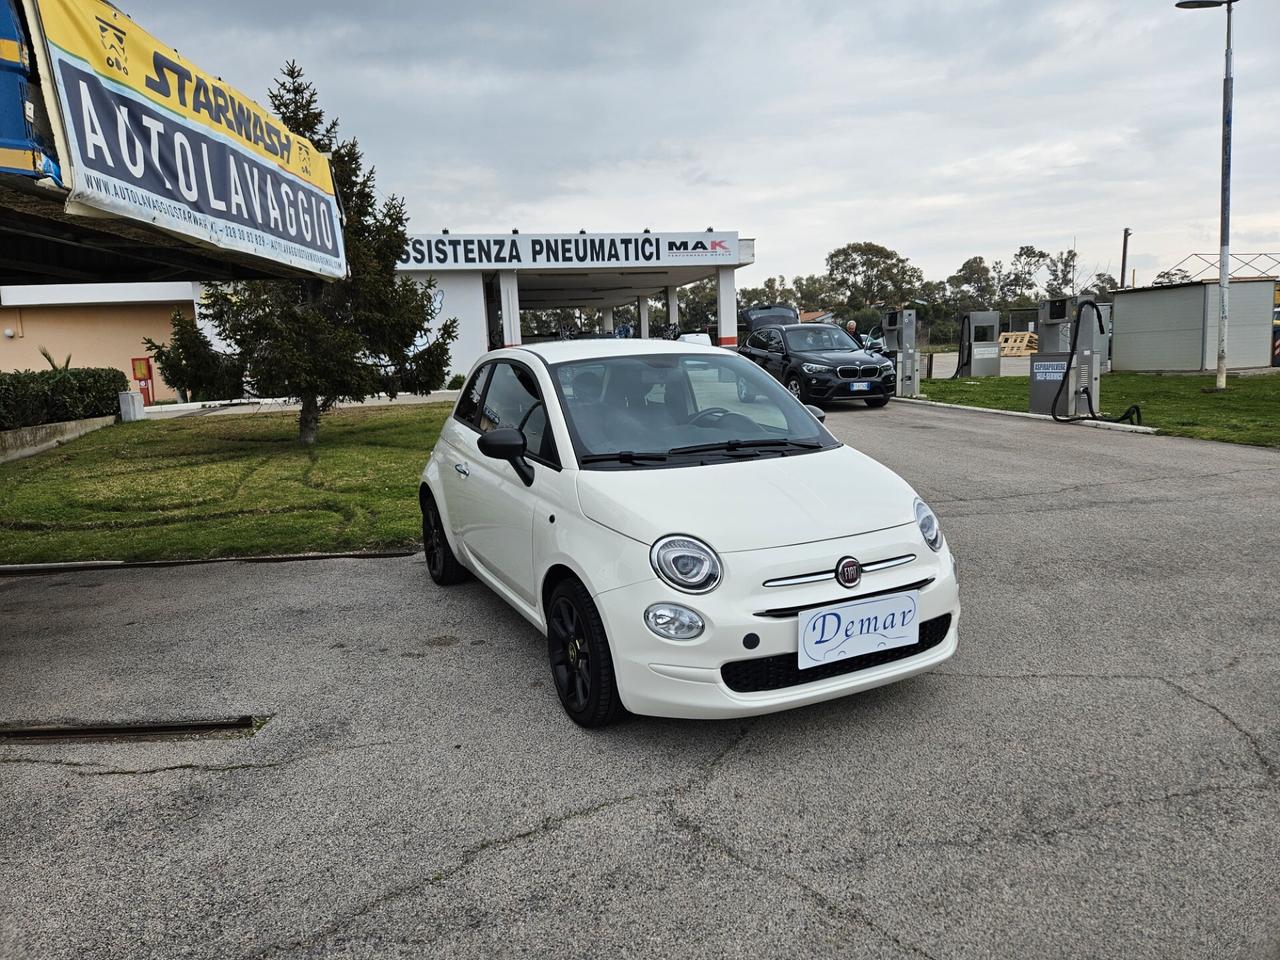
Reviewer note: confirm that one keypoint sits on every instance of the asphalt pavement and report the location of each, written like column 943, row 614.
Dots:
column 1096, row 773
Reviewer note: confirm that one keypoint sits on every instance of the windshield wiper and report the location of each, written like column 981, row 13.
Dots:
column 731, row 445
column 622, row 456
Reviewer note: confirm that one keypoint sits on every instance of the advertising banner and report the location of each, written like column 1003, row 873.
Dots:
column 515, row 251
column 153, row 138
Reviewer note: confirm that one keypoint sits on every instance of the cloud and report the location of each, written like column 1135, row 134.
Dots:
column 940, row 128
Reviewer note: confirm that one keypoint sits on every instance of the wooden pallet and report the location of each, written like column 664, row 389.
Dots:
column 1018, row 344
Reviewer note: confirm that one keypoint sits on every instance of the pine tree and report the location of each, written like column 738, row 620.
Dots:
column 344, row 340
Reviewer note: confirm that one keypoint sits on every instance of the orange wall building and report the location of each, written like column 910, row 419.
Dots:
column 98, row 324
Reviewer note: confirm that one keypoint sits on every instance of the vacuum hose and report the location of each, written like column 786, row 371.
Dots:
column 1132, row 415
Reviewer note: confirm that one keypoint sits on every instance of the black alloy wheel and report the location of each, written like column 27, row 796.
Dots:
column 581, row 665
column 441, row 563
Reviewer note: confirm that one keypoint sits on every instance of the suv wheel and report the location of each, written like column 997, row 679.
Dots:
column 796, row 387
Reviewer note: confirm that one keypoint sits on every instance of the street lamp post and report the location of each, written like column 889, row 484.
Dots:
column 1224, row 262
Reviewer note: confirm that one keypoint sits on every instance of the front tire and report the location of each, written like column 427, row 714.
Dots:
column 441, row 563
column 581, row 665
column 744, row 393
column 875, row 402
column 795, row 386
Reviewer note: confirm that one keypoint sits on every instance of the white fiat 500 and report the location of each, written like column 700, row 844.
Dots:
column 687, row 553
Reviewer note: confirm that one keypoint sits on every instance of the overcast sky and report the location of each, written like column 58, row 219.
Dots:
column 941, row 128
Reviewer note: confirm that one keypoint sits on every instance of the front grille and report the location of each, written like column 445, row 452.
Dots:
column 855, row 372
column 780, row 671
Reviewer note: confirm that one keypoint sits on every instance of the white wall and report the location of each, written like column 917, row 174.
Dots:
column 1250, row 305
column 460, row 294
column 1176, row 328
column 78, row 294
column 1158, row 329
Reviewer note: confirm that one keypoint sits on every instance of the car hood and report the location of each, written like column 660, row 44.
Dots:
column 838, row 357
column 751, row 504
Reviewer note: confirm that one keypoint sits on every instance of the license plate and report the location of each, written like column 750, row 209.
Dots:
column 859, row 387
column 857, row 627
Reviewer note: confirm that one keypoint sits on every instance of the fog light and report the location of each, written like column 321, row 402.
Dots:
column 674, row 622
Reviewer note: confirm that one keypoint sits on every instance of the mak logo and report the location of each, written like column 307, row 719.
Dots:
column 849, row 572
column 697, row 246
column 112, row 38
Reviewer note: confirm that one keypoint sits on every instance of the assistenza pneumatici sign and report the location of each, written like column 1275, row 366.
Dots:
column 511, row 251
column 153, row 138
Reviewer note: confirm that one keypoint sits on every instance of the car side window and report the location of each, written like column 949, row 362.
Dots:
column 758, row 341
column 513, row 400
column 468, row 408
column 773, row 341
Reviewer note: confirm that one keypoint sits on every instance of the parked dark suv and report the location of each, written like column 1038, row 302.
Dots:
column 818, row 361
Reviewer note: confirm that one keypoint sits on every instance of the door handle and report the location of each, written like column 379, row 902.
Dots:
column 463, row 469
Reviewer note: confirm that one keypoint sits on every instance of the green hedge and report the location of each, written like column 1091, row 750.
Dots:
column 32, row 397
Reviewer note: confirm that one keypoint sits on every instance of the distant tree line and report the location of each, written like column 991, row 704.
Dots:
column 864, row 280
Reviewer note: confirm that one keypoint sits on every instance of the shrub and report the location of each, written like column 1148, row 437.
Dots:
column 457, row 382
column 32, row 397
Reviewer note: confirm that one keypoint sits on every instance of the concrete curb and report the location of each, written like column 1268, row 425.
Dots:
column 1097, row 424
column 45, row 569
column 24, row 442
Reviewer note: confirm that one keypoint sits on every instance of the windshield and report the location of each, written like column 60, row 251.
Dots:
column 666, row 409
column 821, row 336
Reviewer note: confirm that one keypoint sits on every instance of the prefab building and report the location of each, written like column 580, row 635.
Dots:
column 1175, row 326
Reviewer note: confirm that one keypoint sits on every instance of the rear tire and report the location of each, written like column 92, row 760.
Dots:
column 874, row 402
column 441, row 563
column 581, row 664
column 744, row 393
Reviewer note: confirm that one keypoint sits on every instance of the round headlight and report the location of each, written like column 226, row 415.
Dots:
column 685, row 563
column 674, row 622
column 928, row 523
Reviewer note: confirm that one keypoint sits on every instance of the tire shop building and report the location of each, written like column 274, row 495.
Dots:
column 485, row 280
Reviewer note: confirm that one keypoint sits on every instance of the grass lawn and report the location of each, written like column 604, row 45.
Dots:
column 221, row 486
column 1249, row 412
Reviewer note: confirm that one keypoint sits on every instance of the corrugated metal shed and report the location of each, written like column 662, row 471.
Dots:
column 1175, row 326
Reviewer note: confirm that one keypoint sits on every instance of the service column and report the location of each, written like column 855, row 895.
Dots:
column 726, row 308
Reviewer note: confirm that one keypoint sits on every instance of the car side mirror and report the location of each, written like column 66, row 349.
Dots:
column 507, row 443
column 818, row 413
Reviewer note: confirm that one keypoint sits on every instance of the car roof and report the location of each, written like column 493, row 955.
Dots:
column 794, row 326
column 559, row 351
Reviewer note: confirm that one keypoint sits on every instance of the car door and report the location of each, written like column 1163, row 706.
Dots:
column 776, row 353
column 498, row 531
column 754, row 350
column 457, row 451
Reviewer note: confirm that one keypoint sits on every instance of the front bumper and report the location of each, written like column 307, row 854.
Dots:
column 658, row 677
column 829, row 387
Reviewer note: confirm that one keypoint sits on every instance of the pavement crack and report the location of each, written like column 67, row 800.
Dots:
column 468, row 857
column 39, row 761
column 1267, row 764
column 88, row 769
column 695, row 830
column 1078, row 822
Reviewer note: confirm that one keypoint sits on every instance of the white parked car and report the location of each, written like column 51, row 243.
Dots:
column 685, row 553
